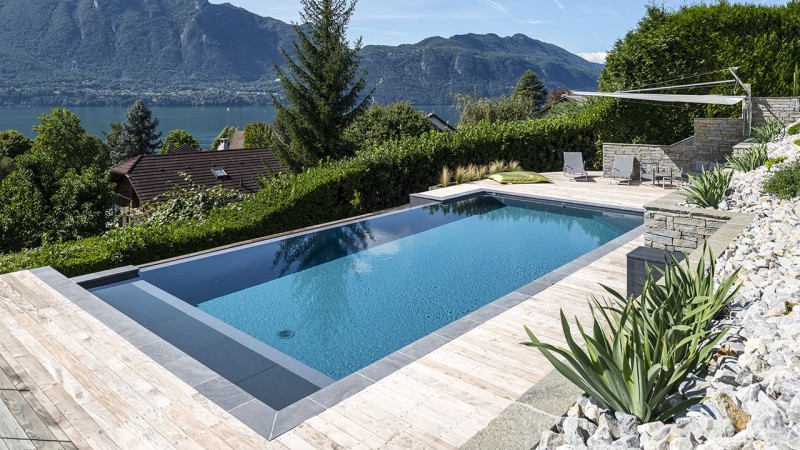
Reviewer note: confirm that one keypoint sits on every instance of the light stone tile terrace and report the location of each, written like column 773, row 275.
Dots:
column 104, row 393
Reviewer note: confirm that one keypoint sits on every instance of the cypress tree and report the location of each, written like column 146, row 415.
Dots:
column 322, row 87
column 137, row 136
column 531, row 89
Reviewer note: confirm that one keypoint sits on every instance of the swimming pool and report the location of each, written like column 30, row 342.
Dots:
column 332, row 301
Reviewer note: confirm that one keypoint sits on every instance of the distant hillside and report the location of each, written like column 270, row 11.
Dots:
column 75, row 52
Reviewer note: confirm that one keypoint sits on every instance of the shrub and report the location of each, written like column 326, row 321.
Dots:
column 774, row 161
column 794, row 129
column 381, row 177
column 503, row 109
column 639, row 351
column 381, row 123
column 767, row 132
column 784, row 183
column 751, row 159
column 709, row 188
column 445, row 177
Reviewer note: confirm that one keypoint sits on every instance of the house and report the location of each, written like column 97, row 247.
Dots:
column 439, row 124
column 141, row 179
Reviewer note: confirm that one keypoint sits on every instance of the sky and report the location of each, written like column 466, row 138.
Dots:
column 588, row 28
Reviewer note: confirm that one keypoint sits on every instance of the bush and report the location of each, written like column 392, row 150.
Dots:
column 708, row 189
column 767, row 132
column 503, row 109
column 784, row 183
column 639, row 351
column 794, row 129
column 381, row 123
column 376, row 179
column 751, row 159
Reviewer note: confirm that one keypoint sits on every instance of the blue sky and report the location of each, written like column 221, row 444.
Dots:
column 585, row 27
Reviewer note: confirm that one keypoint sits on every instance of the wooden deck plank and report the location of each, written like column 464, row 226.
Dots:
column 26, row 417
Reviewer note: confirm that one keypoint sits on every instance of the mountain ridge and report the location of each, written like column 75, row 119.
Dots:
column 84, row 52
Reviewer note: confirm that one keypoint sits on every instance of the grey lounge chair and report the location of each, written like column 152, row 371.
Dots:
column 622, row 168
column 573, row 165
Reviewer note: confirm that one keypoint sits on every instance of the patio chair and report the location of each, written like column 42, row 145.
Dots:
column 622, row 168
column 573, row 165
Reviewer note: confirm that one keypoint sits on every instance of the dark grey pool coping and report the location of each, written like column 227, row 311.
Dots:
column 256, row 414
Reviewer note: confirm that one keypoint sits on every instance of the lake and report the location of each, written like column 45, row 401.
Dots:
column 204, row 123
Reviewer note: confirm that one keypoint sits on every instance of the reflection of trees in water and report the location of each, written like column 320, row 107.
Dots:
column 323, row 293
column 544, row 213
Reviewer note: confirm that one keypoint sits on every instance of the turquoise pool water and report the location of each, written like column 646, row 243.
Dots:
column 342, row 298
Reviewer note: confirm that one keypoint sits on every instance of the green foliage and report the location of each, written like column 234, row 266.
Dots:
column 709, row 188
column 7, row 166
column 751, row 159
column 762, row 41
column 323, row 89
column 774, row 161
column 13, row 143
column 136, row 136
column 530, row 88
column 794, row 129
column 378, row 178
column 257, row 135
column 226, row 133
column 381, row 123
column 639, row 351
column 492, row 110
column 179, row 138
column 192, row 202
column 767, row 132
column 784, row 183
column 59, row 189
column 796, row 81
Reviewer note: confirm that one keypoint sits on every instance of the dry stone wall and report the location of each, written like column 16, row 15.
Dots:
column 784, row 109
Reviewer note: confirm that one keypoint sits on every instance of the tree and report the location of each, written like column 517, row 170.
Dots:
column 138, row 135
column 530, row 88
column 59, row 189
column 257, row 135
column 226, row 133
column 506, row 108
column 384, row 123
column 13, row 143
column 322, row 86
column 179, row 138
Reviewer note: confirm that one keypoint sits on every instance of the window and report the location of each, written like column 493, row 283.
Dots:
column 219, row 172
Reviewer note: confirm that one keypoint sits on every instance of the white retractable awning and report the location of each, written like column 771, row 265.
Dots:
column 678, row 98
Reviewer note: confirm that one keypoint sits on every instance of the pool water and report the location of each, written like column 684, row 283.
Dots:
column 341, row 298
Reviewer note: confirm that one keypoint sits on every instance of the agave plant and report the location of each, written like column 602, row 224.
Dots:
column 639, row 351
column 497, row 166
column 444, row 177
column 748, row 160
column 709, row 188
column 767, row 132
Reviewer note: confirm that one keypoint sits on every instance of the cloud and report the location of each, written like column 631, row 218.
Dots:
column 534, row 22
column 495, row 5
column 597, row 57
column 559, row 4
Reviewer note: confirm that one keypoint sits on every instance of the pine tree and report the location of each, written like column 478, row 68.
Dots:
column 530, row 88
column 138, row 134
column 322, row 86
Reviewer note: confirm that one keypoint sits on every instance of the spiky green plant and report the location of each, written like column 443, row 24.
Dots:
column 513, row 166
column 709, row 188
column 767, row 132
column 748, row 160
column 460, row 175
column 497, row 166
column 444, row 177
column 639, row 351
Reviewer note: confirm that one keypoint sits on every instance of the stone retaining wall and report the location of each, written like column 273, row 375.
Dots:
column 672, row 227
column 784, row 109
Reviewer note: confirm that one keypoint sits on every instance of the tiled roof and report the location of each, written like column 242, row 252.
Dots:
column 185, row 148
column 152, row 175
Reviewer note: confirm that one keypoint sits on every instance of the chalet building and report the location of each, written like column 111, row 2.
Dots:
column 141, row 179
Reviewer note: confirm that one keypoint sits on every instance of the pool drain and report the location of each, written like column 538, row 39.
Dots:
column 286, row 334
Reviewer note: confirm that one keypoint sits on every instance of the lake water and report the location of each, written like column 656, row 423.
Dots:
column 204, row 123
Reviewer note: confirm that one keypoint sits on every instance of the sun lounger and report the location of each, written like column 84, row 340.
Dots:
column 573, row 165
column 622, row 168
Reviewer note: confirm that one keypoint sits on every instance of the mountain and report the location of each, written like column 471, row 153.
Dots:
column 75, row 52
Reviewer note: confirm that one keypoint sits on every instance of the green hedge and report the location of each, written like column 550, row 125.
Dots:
column 376, row 179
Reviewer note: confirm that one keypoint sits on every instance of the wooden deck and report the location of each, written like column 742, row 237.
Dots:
column 101, row 392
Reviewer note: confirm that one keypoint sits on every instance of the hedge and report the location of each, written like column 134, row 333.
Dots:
column 376, row 179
